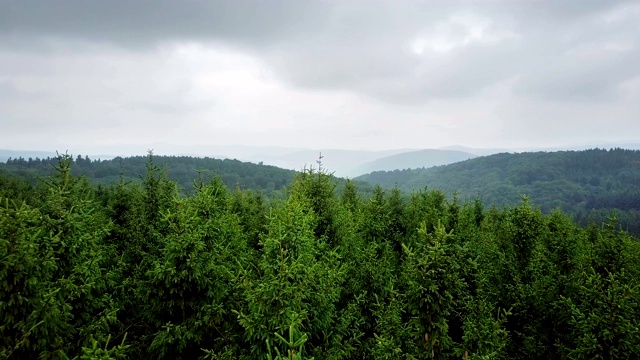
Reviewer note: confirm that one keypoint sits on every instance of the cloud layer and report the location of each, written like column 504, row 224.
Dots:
column 347, row 74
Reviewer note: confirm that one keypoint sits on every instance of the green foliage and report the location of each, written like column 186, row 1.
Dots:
column 26, row 270
column 183, row 170
column 294, row 346
column 430, row 275
column 484, row 334
column 95, row 352
column 318, row 189
column 52, row 268
column 524, row 227
column 203, row 253
column 350, row 197
column 141, row 270
column 587, row 184
column 603, row 319
column 250, row 206
column 296, row 276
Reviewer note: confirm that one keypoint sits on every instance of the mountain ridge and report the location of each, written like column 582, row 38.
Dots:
column 581, row 183
column 424, row 158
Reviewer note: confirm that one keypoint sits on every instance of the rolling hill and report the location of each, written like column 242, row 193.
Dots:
column 182, row 169
column 589, row 184
column 13, row 154
column 341, row 162
column 414, row 160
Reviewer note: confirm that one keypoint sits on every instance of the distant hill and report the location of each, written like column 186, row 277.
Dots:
column 475, row 151
column 182, row 169
column 340, row 162
column 414, row 160
column 25, row 154
column 352, row 163
column 589, row 184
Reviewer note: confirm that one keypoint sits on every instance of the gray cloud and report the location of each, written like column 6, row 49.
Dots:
column 136, row 23
column 10, row 93
column 513, row 64
column 367, row 47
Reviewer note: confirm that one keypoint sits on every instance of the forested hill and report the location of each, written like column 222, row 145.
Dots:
column 413, row 160
column 588, row 184
column 182, row 169
column 138, row 271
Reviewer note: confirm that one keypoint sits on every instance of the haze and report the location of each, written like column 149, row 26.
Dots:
column 96, row 77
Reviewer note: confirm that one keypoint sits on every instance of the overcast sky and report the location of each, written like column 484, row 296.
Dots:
column 77, row 74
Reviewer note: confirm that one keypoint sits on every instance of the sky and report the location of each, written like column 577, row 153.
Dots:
column 345, row 74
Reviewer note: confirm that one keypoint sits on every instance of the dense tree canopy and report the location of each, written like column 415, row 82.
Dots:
column 139, row 270
column 181, row 169
column 588, row 185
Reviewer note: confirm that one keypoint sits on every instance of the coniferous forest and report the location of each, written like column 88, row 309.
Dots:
column 104, row 172
column 142, row 270
column 588, row 185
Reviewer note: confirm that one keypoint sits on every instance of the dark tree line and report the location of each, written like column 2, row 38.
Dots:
column 183, row 169
column 588, row 185
column 134, row 270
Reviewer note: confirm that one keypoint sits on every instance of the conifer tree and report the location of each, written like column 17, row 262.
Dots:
column 191, row 288
column 318, row 187
column 297, row 279
column 68, row 285
column 431, row 279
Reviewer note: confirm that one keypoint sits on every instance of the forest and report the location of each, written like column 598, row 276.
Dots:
column 589, row 184
column 141, row 270
column 184, row 169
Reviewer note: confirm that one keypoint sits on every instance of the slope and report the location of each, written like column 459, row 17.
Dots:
column 588, row 184
column 414, row 160
column 340, row 162
column 182, row 169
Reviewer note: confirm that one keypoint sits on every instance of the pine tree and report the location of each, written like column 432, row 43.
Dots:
column 296, row 279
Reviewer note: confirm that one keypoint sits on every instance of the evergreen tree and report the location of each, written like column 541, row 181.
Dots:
column 294, row 282
column 431, row 277
column 67, row 303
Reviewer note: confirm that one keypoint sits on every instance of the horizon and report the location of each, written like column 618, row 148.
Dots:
column 203, row 149
column 199, row 150
column 341, row 162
